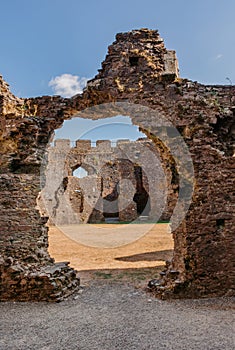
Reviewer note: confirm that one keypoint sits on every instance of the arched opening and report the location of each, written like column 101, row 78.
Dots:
column 75, row 190
column 80, row 172
column 108, row 184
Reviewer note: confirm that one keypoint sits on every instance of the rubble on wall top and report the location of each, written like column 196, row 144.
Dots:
column 143, row 33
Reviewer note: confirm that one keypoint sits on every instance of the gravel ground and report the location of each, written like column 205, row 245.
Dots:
column 116, row 316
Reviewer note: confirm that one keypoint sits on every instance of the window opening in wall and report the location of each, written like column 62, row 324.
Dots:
column 80, row 172
column 220, row 223
column 134, row 60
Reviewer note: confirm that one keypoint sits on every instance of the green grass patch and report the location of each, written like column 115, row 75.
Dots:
column 104, row 275
column 131, row 222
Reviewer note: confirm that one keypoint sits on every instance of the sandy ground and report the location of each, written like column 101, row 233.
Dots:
column 135, row 262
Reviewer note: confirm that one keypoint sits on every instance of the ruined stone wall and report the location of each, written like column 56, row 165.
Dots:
column 136, row 72
column 111, row 188
column 27, row 272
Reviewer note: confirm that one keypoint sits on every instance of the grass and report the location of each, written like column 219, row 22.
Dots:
column 131, row 222
column 135, row 276
column 103, row 275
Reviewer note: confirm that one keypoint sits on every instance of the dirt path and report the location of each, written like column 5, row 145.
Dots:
column 118, row 317
column 136, row 262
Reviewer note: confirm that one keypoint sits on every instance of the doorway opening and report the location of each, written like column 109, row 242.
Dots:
column 108, row 190
column 141, row 197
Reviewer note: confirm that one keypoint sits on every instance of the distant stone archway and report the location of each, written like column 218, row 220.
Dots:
column 138, row 71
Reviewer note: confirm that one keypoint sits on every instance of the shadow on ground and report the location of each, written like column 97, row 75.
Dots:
column 139, row 277
column 150, row 256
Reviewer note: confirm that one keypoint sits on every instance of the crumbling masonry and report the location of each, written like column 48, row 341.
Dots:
column 137, row 70
column 101, row 194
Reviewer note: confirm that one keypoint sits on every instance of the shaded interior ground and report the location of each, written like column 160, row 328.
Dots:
column 136, row 262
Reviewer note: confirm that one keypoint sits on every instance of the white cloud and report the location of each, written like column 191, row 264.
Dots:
column 219, row 56
column 67, row 85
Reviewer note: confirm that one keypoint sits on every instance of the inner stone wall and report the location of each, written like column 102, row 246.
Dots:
column 111, row 177
column 140, row 71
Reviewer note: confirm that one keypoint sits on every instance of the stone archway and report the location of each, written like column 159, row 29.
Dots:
column 139, row 70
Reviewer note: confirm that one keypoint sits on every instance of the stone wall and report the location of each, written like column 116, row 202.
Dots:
column 118, row 182
column 137, row 72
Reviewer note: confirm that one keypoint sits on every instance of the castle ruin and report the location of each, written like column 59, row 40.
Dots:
column 139, row 71
column 103, row 194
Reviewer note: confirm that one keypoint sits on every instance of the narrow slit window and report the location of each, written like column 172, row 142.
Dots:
column 220, row 223
column 134, row 60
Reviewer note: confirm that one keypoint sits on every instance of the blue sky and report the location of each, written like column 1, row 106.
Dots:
column 53, row 46
column 115, row 128
column 41, row 40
